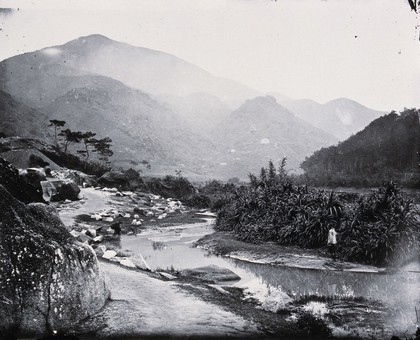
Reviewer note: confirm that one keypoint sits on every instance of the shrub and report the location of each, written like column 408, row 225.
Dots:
column 171, row 186
column 381, row 226
column 373, row 229
column 314, row 326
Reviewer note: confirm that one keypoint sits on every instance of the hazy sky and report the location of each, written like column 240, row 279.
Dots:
column 368, row 51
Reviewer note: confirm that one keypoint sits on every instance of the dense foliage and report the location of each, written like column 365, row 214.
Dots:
column 213, row 195
column 387, row 149
column 74, row 162
column 274, row 208
column 171, row 186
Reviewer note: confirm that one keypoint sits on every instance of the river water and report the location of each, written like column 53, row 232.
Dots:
column 398, row 293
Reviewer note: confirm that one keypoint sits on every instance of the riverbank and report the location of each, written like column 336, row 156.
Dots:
column 224, row 243
column 278, row 284
column 154, row 303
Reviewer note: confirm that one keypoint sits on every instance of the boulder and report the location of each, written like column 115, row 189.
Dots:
column 16, row 186
column 69, row 191
column 211, row 273
column 100, row 250
column 109, row 254
column 34, row 177
column 122, row 180
column 140, row 262
column 114, row 179
column 60, row 190
column 48, row 280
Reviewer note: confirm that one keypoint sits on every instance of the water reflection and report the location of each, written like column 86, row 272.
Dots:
column 171, row 247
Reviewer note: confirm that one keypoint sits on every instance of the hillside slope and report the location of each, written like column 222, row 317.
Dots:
column 261, row 130
column 387, row 149
column 340, row 117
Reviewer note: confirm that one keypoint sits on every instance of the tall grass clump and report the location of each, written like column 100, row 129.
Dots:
column 381, row 227
column 274, row 208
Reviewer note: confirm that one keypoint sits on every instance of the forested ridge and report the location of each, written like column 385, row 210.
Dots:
column 387, row 149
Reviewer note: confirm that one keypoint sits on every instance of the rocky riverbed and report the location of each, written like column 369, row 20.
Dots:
column 149, row 260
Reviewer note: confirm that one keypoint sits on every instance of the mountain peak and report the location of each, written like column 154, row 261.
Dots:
column 262, row 106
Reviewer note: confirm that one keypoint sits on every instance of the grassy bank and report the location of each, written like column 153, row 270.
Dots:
column 380, row 228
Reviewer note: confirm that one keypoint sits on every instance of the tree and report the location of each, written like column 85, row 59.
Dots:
column 88, row 140
column 103, row 148
column 70, row 137
column 57, row 124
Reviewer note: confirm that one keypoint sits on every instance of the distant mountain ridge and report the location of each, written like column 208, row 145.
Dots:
column 151, row 71
column 340, row 117
column 155, row 107
column 261, row 130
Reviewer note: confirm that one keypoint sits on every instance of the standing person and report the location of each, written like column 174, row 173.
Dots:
column 332, row 242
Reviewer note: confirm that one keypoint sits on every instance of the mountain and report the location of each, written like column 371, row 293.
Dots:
column 387, row 149
column 17, row 118
column 140, row 127
column 159, row 108
column 201, row 111
column 261, row 130
column 340, row 117
column 151, row 71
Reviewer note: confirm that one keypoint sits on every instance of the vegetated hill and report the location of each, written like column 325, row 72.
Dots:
column 202, row 111
column 19, row 119
column 152, row 71
column 387, row 149
column 340, row 117
column 261, row 130
column 140, row 127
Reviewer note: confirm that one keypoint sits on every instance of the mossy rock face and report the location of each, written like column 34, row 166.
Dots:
column 48, row 281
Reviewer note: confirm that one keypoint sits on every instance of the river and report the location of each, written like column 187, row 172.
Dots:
column 393, row 296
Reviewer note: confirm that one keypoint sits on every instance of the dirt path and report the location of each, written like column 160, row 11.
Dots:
column 93, row 201
column 142, row 305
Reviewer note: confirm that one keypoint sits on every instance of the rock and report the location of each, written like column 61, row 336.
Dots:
column 96, row 217
column 74, row 233
column 100, row 250
column 83, row 238
column 91, row 232
column 168, row 276
column 114, row 179
column 34, row 177
column 140, row 262
column 75, row 176
column 60, row 190
column 210, row 273
column 16, row 186
column 48, row 280
column 98, row 239
column 161, row 217
column 127, row 263
column 109, row 254
column 69, row 191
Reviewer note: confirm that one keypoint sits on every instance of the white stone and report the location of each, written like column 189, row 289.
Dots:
column 109, row 254
column 127, row 263
column 74, row 233
column 99, row 238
